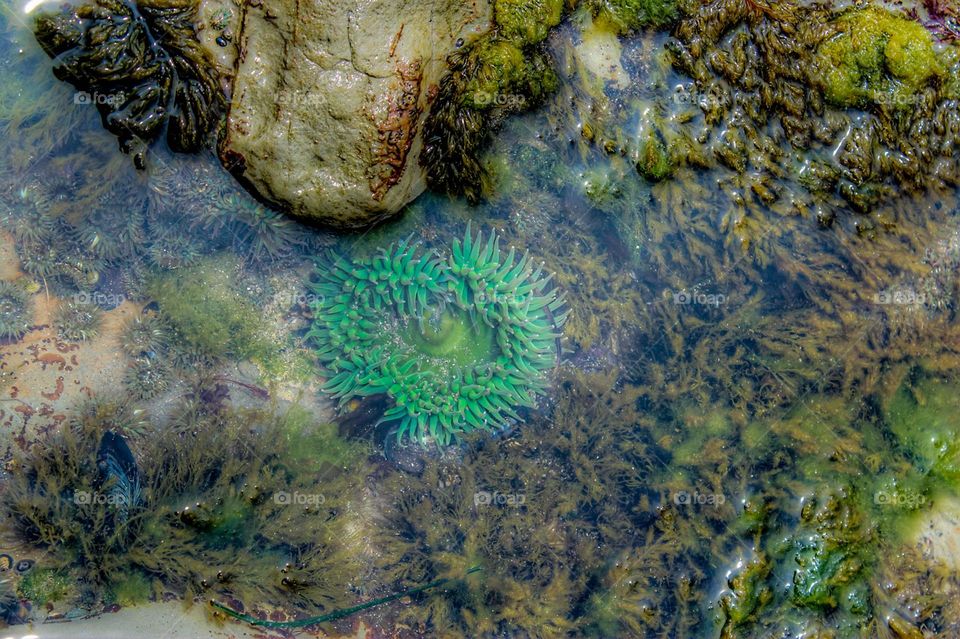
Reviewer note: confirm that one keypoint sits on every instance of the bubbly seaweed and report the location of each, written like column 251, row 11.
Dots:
column 109, row 49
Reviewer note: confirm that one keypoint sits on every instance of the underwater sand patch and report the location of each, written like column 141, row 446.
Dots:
column 938, row 536
column 47, row 375
column 154, row 621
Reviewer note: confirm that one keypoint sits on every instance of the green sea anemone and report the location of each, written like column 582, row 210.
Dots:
column 15, row 318
column 146, row 378
column 77, row 321
column 264, row 233
column 457, row 343
column 145, row 333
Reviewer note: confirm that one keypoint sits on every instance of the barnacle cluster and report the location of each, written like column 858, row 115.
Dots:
column 141, row 64
column 458, row 343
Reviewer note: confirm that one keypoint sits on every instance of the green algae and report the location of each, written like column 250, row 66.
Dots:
column 318, row 446
column 630, row 15
column 654, row 161
column 922, row 416
column 877, row 58
column 213, row 481
column 45, row 585
column 527, row 21
column 208, row 312
column 129, row 589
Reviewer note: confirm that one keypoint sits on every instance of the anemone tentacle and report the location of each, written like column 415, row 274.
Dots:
column 458, row 343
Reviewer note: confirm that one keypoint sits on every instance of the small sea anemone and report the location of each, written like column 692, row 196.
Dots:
column 146, row 333
column 146, row 378
column 457, row 343
column 31, row 225
column 77, row 321
column 265, row 233
column 109, row 233
column 14, row 311
column 40, row 259
column 172, row 248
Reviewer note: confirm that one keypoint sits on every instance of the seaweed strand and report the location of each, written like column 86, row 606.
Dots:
column 336, row 614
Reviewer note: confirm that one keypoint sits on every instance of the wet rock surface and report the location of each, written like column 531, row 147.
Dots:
column 325, row 116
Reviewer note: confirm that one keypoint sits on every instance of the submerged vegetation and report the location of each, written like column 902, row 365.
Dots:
column 752, row 430
column 208, row 484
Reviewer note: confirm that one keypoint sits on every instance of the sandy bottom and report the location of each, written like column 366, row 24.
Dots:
column 153, row 621
column 156, row 621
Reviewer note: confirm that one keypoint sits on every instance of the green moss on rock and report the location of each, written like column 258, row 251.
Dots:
column 631, row 15
column 876, row 58
column 527, row 21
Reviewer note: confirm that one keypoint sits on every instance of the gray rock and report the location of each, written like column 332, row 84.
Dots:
column 328, row 98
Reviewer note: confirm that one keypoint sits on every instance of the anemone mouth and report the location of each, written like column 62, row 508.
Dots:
column 458, row 343
column 449, row 339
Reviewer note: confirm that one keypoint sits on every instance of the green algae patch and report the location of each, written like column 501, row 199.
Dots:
column 527, row 21
column 654, row 161
column 923, row 416
column 501, row 74
column 129, row 589
column 208, row 312
column 45, row 585
column 630, row 15
column 876, row 58
column 316, row 445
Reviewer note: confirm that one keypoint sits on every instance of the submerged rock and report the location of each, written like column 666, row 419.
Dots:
column 328, row 101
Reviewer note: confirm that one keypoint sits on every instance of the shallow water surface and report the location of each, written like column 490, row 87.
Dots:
column 734, row 413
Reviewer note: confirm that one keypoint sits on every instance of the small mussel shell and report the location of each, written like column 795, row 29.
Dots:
column 6, row 562
column 24, row 565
